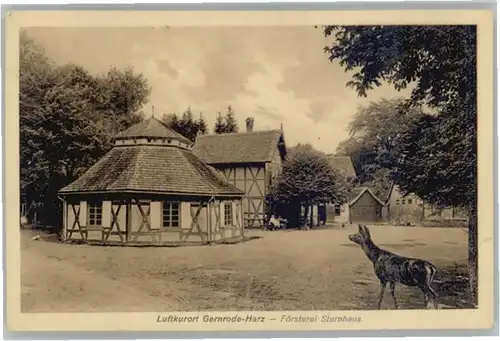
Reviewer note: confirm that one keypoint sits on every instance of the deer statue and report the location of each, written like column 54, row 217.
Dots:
column 391, row 268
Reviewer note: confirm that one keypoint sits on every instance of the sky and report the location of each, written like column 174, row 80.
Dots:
column 278, row 75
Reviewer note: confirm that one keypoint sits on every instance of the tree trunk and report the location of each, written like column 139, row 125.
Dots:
column 311, row 217
column 473, row 255
column 306, row 214
column 297, row 207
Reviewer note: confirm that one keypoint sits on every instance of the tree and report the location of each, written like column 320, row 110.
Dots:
column 227, row 123
column 231, row 126
column 219, row 127
column 202, row 125
column 373, row 140
column 307, row 179
column 119, row 96
column 431, row 142
column 172, row 121
column 187, row 125
column 441, row 62
column 67, row 117
column 58, row 139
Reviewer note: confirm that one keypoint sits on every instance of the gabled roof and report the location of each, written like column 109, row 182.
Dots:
column 258, row 146
column 151, row 127
column 358, row 192
column 388, row 197
column 343, row 164
column 153, row 168
column 396, row 188
column 385, row 194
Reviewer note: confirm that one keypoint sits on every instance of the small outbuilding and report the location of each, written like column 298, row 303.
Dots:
column 151, row 189
column 365, row 206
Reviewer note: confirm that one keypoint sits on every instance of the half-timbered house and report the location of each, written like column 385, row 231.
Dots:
column 250, row 161
column 151, row 189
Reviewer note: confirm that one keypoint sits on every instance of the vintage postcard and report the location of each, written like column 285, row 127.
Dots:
column 249, row 171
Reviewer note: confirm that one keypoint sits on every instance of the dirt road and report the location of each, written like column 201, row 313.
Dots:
column 50, row 284
column 283, row 270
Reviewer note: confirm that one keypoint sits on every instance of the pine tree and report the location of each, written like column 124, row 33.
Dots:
column 172, row 121
column 188, row 124
column 231, row 126
column 219, row 127
column 202, row 125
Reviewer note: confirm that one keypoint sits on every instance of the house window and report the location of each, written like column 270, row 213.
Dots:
column 337, row 210
column 95, row 214
column 402, row 201
column 228, row 214
column 409, row 201
column 397, row 202
column 170, row 214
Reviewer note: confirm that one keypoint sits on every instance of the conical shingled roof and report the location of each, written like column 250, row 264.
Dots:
column 151, row 128
column 154, row 168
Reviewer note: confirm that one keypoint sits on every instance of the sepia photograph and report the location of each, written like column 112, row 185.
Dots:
column 317, row 167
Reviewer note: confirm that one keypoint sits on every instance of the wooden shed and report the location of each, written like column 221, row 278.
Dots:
column 250, row 161
column 151, row 189
column 365, row 206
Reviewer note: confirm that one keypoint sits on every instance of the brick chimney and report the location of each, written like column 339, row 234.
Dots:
column 249, row 122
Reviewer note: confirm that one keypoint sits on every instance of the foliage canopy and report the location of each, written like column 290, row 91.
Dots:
column 67, row 119
column 440, row 154
column 440, row 63
column 308, row 178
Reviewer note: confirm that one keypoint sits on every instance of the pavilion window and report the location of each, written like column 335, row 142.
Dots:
column 170, row 215
column 95, row 214
column 228, row 214
column 337, row 209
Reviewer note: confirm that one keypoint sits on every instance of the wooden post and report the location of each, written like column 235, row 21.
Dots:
column 65, row 221
column 311, row 215
column 209, row 220
column 128, row 220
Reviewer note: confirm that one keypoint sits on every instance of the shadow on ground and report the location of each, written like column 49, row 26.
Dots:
column 47, row 236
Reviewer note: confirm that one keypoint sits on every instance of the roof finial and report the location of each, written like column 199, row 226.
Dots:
column 281, row 126
column 153, row 109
